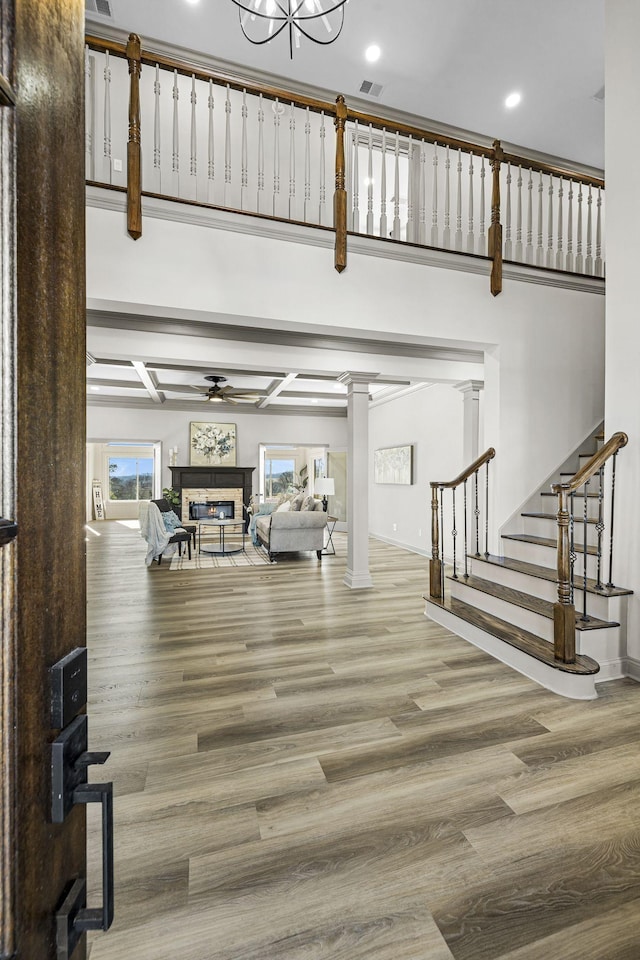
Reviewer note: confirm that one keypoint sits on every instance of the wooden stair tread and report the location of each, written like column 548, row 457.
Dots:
column 547, row 573
column 522, row 640
column 553, row 516
column 548, row 542
column 528, row 602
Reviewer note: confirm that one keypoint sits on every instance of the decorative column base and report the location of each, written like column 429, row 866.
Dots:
column 564, row 632
column 357, row 581
column 435, row 579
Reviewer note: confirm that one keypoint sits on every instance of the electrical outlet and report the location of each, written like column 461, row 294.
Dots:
column 117, row 166
column 420, row 532
column 395, row 528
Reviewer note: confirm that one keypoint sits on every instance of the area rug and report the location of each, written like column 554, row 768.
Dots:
column 252, row 557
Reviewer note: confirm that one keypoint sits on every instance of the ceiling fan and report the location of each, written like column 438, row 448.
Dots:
column 218, row 394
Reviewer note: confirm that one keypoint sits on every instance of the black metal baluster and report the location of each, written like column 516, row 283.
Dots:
column 572, row 547
column 454, row 534
column 476, row 513
column 613, row 495
column 585, row 615
column 600, row 526
column 486, row 514
column 466, row 547
column 442, row 543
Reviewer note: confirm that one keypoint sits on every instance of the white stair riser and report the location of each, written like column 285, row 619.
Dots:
column 602, row 645
column 539, row 527
column 545, row 556
column 550, row 505
column 602, row 607
column 576, row 687
column 526, row 619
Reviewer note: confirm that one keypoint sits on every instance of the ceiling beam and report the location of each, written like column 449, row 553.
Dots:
column 147, row 380
column 275, row 390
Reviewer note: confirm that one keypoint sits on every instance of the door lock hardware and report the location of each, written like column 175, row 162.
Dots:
column 70, row 761
column 68, row 687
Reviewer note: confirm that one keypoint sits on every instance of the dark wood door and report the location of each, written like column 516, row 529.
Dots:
column 43, row 397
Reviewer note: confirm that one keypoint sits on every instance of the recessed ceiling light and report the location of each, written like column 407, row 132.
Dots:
column 512, row 100
column 372, row 53
column 193, row 2
column 314, row 400
column 94, row 388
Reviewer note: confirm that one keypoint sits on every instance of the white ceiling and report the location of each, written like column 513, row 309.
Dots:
column 453, row 61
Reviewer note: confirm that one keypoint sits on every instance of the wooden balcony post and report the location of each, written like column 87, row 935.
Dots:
column 340, row 195
column 564, row 612
column 134, row 181
column 435, row 566
column 495, row 230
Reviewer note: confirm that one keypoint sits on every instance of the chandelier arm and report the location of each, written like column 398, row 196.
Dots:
column 258, row 43
column 285, row 15
column 322, row 43
column 263, row 16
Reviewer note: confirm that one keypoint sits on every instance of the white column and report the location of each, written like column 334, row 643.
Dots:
column 357, row 575
column 470, row 390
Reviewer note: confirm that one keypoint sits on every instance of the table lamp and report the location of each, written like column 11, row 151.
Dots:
column 326, row 487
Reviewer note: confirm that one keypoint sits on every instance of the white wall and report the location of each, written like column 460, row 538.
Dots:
column 432, row 419
column 622, row 411
column 171, row 429
column 544, row 370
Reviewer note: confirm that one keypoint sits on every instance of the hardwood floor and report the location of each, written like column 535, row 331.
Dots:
column 305, row 772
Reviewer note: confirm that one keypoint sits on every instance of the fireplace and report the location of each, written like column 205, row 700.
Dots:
column 211, row 509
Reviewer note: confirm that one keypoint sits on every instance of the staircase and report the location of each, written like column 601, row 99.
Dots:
column 505, row 604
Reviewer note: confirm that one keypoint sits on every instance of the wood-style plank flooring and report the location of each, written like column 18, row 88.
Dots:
column 305, row 772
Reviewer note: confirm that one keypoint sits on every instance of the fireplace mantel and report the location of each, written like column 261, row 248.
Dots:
column 222, row 477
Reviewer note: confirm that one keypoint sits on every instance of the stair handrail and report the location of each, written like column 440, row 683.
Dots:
column 436, row 565
column 564, row 611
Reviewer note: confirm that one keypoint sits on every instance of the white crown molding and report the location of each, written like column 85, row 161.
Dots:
column 145, row 403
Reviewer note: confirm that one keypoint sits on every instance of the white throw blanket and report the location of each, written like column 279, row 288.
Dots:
column 153, row 530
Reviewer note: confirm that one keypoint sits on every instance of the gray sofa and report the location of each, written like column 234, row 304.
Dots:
column 291, row 531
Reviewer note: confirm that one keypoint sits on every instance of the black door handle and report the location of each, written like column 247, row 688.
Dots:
column 8, row 531
column 99, row 918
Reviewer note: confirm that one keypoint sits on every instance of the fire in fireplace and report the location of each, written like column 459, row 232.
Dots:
column 211, row 510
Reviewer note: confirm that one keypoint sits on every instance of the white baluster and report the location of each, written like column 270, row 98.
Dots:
column 277, row 111
column 409, row 233
column 598, row 264
column 384, row 228
column 508, row 246
column 370, row 184
column 260, row 177
column 446, row 233
column 356, row 184
column 560, row 251
column 89, row 115
column 579, row 259
column 227, row 149
column 530, row 218
column 107, row 165
column 434, row 199
column 192, row 189
column 244, row 157
column 211, row 157
column 539, row 248
column 307, row 166
column 157, row 152
column 518, row 250
column 482, row 240
column 292, row 163
column 550, row 225
column 470, row 236
column 422, row 182
column 323, row 189
column 395, row 233
column 588, row 263
column 175, row 146
column 459, row 205
column 569, row 258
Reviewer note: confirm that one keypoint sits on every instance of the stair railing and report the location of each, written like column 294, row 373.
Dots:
column 564, row 611
column 436, row 566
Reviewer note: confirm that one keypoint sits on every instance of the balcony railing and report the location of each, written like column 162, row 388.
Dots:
column 208, row 138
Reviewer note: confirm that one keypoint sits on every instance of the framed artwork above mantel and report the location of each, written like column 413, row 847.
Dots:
column 212, row 444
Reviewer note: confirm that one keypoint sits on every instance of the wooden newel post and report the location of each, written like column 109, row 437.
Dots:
column 495, row 230
column 564, row 611
column 340, row 195
column 134, row 177
column 435, row 566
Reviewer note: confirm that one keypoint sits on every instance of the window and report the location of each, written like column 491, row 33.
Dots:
column 278, row 476
column 130, row 478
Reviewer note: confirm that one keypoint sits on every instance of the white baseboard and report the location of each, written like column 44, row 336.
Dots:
column 632, row 668
column 403, row 546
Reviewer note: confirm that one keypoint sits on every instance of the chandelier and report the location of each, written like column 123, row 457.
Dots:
column 320, row 21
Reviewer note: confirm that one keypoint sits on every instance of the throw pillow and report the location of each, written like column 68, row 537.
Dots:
column 284, row 507
column 171, row 521
column 296, row 503
column 309, row 503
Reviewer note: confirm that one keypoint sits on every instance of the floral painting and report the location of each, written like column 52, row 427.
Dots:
column 393, row 464
column 213, row 444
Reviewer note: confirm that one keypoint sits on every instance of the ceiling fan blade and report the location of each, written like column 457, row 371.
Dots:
column 240, row 394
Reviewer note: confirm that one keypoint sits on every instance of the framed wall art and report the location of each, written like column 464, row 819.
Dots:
column 212, row 444
column 393, row 464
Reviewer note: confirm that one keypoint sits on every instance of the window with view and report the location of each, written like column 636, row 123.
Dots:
column 130, row 478
column 278, row 476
